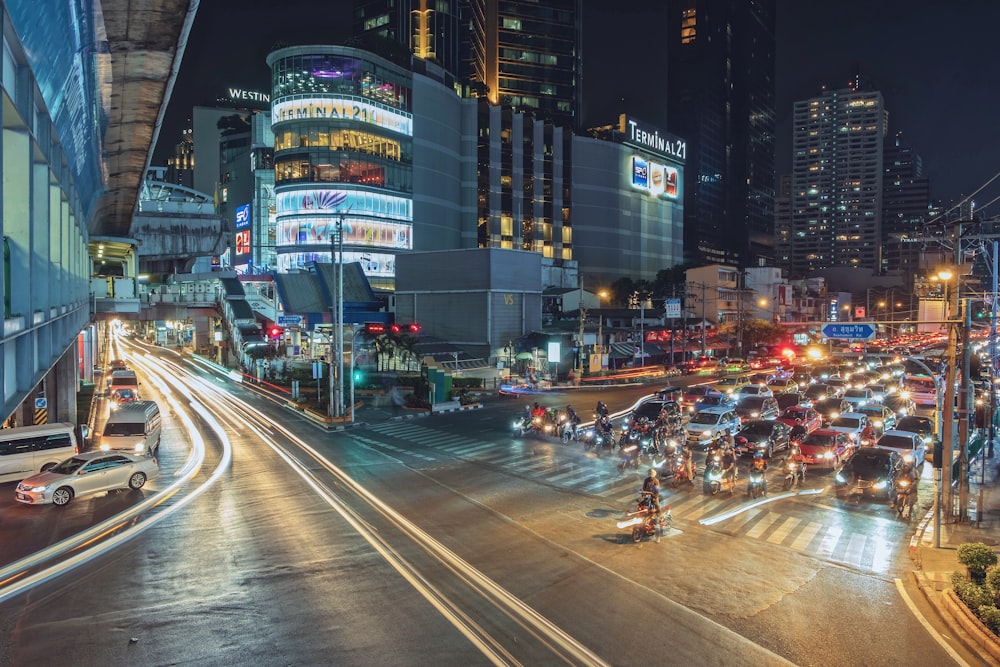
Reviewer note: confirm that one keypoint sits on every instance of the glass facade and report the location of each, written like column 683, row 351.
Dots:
column 343, row 158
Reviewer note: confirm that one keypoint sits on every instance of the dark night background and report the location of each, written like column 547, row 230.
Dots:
column 933, row 63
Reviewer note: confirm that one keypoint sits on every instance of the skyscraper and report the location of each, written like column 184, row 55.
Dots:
column 429, row 29
column 720, row 78
column 527, row 55
column 837, row 142
column 906, row 202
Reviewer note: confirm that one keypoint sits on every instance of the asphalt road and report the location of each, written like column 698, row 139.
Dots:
column 442, row 541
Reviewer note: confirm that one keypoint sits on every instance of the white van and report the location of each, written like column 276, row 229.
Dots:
column 29, row 450
column 133, row 427
column 123, row 380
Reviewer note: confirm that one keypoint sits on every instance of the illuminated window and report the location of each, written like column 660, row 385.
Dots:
column 689, row 26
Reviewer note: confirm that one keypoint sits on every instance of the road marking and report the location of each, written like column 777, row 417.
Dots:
column 830, row 539
column 855, row 549
column 806, row 536
column 743, row 520
column 927, row 626
column 762, row 526
column 784, row 530
column 881, row 556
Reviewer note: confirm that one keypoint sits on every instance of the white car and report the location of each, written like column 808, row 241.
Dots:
column 753, row 390
column 851, row 423
column 705, row 425
column 858, row 396
column 84, row 474
column 907, row 444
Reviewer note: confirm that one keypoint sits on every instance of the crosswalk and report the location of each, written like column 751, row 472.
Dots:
column 820, row 528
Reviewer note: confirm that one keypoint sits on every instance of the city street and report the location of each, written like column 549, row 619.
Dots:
column 443, row 540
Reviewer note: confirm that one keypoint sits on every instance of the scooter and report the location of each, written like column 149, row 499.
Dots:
column 795, row 473
column 681, row 475
column 906, row 498
column 715, row 481
column 630, row 458
column 647, row 523
column 756, row 484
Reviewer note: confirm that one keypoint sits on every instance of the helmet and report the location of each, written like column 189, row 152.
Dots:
column 536, row 404
column 758, row 455
column 652, row 472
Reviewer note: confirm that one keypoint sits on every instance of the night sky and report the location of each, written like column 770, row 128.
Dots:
column 933, row 62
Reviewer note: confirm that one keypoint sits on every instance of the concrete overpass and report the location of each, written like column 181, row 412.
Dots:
column 83, row 100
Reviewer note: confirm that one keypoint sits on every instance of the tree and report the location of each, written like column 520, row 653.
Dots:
column 385, row 348
column 407, row 347
column 621, row 291
column 669, row 281
column 755, row 332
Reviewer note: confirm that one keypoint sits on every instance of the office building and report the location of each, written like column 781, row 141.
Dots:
column 527, row 55
column 906, row 203
column 429, row 29
column 720, row 81
column 837, row 178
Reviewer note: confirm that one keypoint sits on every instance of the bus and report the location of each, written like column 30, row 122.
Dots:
column 922, row 389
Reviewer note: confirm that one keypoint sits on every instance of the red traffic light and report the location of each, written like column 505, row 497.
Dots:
column 414, row 328
column 375, row 328
column 275, row 332
column 395, row 328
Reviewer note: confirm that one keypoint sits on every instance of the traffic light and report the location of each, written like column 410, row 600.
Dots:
column 395, row 329
column 414, row 327
column 274, row 332
column 358, row 375
column 374, row 328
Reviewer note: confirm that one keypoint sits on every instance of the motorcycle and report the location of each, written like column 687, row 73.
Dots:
column 795, row 473
column 604, row 440
column 756, row 484
column 906, row 498
column 570, row 431
column 522, row 426
column 645, row 522
column 715, row 481
column 681, row 475
column 630, row 458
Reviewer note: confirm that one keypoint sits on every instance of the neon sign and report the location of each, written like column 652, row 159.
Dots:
column 343, row 108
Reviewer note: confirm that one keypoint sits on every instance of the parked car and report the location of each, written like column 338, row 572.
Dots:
column 789, row 399
column 704, row 426
column 85, row 474
column 870, row 473
column 799, row 415
column 858, row 396
column 753, row 390
column 762, row 435
column 907, row 444
column 756, row 407
column 831, row 408
column 826, row 448
column 882, row 418
column 851, row 423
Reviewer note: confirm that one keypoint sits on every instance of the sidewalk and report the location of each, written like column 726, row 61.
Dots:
column 935, row 566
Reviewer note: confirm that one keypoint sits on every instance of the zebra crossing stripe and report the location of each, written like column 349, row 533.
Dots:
column 881, row 556
column 784, row 530
column 589, row 476
column 762, row 526
column 746, row 517
column 855, row 548
column 806, row 536
column 830, row 540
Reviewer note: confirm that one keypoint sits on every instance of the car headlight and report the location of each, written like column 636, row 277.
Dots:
column 840, row 479
column 907, row 458
column 834, row 415
column 827, row 455
column 517, row 425
column 38, row 489
column 755, row 414
column 707, row 433
column 105, row 448
column 881, row 485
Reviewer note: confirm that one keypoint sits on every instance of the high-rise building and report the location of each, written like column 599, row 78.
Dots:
column 783, row 221
column 180, row 167
column 837, row 143
column 906, row 202
column 429, row 29
column 527, row 55
column 720, row 78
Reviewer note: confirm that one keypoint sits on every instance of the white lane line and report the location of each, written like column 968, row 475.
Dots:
column 928, row 627
column 762, row 526
column 784, row 530
column 806, row 536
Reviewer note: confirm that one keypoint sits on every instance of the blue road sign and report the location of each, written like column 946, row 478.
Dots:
column 289, row 320
column 849, row 330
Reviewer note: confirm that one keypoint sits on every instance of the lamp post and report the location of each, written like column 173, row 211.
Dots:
column 337, row 363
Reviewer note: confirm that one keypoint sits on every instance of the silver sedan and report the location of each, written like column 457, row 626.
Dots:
column 85, row 474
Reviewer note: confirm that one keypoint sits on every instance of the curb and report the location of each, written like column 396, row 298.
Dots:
column 972, row 626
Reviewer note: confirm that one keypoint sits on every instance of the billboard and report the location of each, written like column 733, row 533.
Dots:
column 659, row 180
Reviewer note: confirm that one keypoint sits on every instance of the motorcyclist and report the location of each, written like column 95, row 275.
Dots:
column 758, row 465
column 909, row 473
column 651, row 486
column 867, row 438
column 687, row 462
column 714, row 448
column 730, row 439
column 602, row 409
column 572, row 419
column 537, row 412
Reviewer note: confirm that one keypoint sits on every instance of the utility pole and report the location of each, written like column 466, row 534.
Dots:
column 966, row 410
column 337, row 362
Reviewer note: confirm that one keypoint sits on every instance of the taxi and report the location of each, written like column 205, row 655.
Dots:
column 729, row 385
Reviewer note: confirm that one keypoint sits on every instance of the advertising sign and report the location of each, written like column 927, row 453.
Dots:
column 673, row 307
column 647, row 137
column 659, row 180
column 343, row 108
